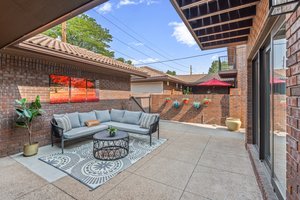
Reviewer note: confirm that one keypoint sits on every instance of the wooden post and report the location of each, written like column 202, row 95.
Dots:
column 64, row 31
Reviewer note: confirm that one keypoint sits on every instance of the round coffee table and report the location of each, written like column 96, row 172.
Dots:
column 110, row 148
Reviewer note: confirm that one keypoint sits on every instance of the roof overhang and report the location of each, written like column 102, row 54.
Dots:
column 156, row 79
column 217, row 23
column 70, row 60
column 21, row 19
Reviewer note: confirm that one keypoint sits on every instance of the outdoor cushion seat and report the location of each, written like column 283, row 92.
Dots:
column 128, row 127
column 84, row 131
column 123, row 120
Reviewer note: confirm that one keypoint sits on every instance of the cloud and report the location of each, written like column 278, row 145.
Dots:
column 146, row 60
column 215, row 57
column 105, row 8
column 182, row 34
column 135, row 2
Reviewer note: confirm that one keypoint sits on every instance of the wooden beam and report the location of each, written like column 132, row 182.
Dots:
column 225, row 45
column 226, row 38
column 224, row 11
column 222, row 23
column 195, row 4
column 217, row 33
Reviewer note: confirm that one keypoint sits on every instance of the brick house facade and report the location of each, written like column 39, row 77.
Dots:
column 26, row 76
column 293, row 104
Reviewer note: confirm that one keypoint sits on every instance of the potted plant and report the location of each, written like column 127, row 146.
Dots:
column 168, row 99
column 176, row 104
column 27, row 113
column 197, row 104
column 185, row 100
column 112, row 131
column 206, row 101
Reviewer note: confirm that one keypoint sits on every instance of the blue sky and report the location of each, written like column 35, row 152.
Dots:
column 158, row 34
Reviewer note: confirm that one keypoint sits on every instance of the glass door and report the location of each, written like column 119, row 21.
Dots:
column 278, row 118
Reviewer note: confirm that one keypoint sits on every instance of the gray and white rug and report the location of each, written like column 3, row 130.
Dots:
column 80, row 163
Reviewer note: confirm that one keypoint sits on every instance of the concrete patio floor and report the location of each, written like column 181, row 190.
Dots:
column 196, row 163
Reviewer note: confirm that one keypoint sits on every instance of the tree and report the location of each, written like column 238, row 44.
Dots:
column 83, row 31
column 173, row 73
column 124, row 61
column 214, row 68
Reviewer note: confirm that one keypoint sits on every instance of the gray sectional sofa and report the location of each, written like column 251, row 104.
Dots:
column 124, row 120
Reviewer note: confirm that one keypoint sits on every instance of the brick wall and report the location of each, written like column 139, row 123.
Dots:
column 293, row 103
column 23, row 77
column 215, row 113
column 258, row 23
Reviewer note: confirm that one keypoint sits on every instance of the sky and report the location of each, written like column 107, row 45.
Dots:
column 146, row 31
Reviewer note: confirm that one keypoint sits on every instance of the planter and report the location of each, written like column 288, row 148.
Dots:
column 197, row 105
column 176, row 104
column 167, row 100
column 30, row 150
column 233, row 124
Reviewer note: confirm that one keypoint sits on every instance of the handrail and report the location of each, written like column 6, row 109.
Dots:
column 139, row 105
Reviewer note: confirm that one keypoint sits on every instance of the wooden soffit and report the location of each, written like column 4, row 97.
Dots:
column 21, row 19
column 217, row 23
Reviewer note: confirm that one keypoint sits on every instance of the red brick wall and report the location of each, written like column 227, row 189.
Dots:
column 293, row 103
column 215, row 113
column 23, row 77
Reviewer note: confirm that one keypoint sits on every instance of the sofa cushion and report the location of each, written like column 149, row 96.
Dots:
column 74, row 118
column 103, row 115
column 84, row 131
column 83, row 117
column 147, row 120
column 131, row 128
column 131, row 117
column 63, row 122
column 116, row 115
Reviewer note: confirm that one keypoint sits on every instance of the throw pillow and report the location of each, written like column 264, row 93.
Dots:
column 147, row 120
column 74, row 118
column 116, row 115
column 83, row 117
column 102, row 115
column 131, row 117
column 90, row 123
column 63, row 121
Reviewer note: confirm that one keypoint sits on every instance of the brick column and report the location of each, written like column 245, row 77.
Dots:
column 293, row 105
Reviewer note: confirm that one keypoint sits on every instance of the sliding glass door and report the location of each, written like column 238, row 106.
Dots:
column 269, row 106
column 278, row 108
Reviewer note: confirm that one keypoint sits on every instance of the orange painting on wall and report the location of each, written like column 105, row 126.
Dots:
column 78, row 90
column 91, row 92
column 59, row 89
column 64, row 89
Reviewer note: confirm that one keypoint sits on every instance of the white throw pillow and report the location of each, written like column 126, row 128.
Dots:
column 63, row 121
column 147, row 120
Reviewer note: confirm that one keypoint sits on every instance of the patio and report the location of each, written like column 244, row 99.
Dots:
column 196, row 162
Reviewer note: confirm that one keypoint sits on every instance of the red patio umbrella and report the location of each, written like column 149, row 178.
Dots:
column 215, row 82
column 277, row 81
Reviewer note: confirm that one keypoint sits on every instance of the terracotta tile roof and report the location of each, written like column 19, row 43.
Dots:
column 155, row 75
column 190, row 78
column 52, row 45
column 194, row 79
column 280, row 73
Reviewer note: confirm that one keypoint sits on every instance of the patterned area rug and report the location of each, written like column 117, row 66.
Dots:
column 80, row 163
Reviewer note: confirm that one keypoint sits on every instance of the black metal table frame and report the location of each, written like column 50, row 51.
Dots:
column 110, row 149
